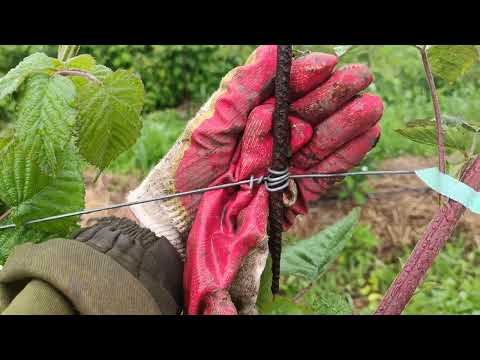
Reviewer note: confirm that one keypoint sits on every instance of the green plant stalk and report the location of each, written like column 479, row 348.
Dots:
column 66, row 52
column 301, row 294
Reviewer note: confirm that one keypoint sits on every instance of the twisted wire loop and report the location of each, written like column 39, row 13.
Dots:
column 255, row 181
column 277, row 180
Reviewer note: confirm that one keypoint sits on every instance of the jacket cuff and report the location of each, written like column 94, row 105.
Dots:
column 93, row 282
column 39, row 298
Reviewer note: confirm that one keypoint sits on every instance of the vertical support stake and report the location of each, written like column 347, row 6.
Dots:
column 280, row 158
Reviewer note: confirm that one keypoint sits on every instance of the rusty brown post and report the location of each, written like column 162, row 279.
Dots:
column 280, row 158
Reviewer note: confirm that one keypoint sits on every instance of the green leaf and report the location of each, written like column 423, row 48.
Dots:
column 101, row 72
column 310, row 258
column 82, row 62
column 109, row 117
column 341, row 50
column 285, row 306
column 331, row 303
column 20, row 177
column 452, row 61
column 424, row 132
column 265, row 296
column 13, row 237
column 34, row 63
column 46, row 118
column 32, row 194
column 6, row 138
column 280, row 305
column 454, row 169
column 459, row 121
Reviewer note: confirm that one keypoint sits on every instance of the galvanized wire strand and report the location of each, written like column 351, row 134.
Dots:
column 132, row 203
column 269, row 180
column 373, row 194
column 364, row 173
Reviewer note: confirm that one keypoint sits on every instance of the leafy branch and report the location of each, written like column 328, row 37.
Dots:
column 427, row 249
column 67, row 109
column 441, row 227
column 308, row 259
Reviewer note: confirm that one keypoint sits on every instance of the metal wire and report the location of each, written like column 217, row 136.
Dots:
column 372, row 195
column 364, row 173
column 275, row 178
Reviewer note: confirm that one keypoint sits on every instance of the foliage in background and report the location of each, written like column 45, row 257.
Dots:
column 448, row 62
column 172, row 74
column 160, row 131
column 400, row 81
column 362, row 274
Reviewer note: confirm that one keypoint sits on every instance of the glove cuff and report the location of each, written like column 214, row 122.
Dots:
column 93, row 282
column 156, row 218
column 170, row 218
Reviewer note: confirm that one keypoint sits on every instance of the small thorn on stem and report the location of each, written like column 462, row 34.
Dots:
column 5, row 214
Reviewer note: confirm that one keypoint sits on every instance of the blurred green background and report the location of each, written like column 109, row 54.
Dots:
column 178, row 78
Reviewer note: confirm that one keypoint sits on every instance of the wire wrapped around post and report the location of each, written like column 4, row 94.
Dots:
column 280, row 158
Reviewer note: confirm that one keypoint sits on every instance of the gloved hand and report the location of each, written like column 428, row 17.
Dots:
column 150, row 259
column 224, row 231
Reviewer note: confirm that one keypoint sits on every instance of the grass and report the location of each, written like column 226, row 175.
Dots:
column 361, row 276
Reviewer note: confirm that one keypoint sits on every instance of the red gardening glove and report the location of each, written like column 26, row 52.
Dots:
column 332, row 129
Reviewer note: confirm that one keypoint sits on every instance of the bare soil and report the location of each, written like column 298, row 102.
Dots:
column 109, row 189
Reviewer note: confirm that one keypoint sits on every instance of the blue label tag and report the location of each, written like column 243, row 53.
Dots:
column 450, row 187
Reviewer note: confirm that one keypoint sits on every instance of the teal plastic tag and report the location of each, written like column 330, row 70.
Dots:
column 450, row 187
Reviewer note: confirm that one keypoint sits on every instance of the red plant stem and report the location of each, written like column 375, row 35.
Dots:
column 436, row 109
column 437, row 233
column 80, row 73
